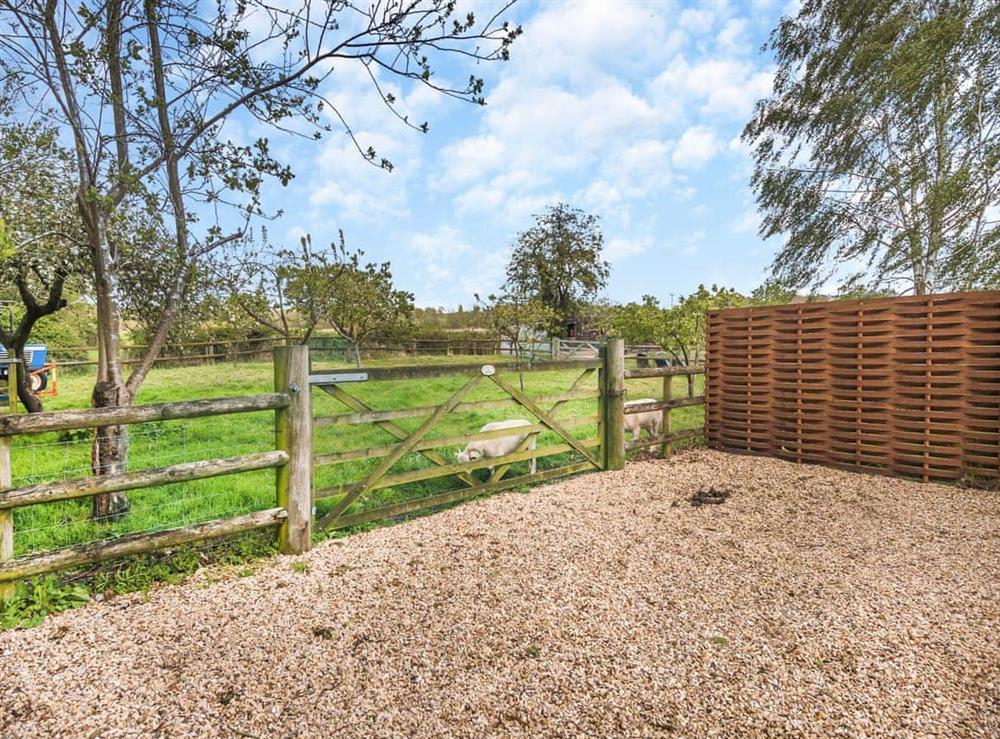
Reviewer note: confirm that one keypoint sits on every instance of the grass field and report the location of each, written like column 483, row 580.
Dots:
column 66, row 456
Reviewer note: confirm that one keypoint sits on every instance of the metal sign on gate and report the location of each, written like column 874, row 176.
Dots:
column 332, row 379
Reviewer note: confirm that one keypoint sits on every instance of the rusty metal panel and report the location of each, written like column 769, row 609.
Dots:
column 904, row 386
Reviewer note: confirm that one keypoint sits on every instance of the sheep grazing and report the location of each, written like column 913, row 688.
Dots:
column 651, row 421
column 491, row 448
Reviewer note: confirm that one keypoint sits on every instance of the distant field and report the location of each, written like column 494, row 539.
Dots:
column 66, row 456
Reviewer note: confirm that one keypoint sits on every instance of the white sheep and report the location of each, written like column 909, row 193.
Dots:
column 498, row 447
column 651, row 421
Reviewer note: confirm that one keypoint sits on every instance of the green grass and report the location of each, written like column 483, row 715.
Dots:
column 66, row 456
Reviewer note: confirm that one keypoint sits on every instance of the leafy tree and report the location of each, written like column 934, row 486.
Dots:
column 282, row 290
column 144, row 90
column 772, row 292
column 43, row 242
column 518, row 319
column 684, row 327
column 640, row 323
column 361, row 302
column 70, row 327
column 680, row 329
column 558, row 262
column 880, row 144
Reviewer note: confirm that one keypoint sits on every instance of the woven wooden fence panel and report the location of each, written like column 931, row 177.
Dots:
column 901, row 386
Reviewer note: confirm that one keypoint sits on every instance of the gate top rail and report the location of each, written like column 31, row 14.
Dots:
column 83, row 418
column 410, row 372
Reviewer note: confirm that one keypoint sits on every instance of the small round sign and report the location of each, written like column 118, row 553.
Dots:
column 488, row 369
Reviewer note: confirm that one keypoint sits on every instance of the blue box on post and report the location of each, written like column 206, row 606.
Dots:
column 35, row 358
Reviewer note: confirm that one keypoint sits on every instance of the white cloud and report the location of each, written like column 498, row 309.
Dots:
column 467, row 158
column 535, row 134
column 692, row 244
column 747, row 223
column 443, row 262
column 578, row 42
column 732, row 38
column 696, row 147
column 698, row 20
column 724, row 86
column 356, row 188
column 619, row 248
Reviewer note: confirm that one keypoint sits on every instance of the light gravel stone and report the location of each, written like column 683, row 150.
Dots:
column 811, row 603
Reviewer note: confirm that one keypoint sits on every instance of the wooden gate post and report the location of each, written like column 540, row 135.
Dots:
column 614, row 404
column 293, row 434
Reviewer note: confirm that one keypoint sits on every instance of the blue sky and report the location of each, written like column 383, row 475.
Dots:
column 630, row 110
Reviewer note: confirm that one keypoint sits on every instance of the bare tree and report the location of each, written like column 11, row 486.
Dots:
column 142, row 90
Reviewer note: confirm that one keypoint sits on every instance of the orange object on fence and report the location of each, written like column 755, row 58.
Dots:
column 52, row 384
column 904, row 386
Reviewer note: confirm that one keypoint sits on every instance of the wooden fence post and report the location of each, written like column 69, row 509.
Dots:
column 668, row 390
column 293, row 434
column 614, row 404
column 6, row 518
column 6, row 481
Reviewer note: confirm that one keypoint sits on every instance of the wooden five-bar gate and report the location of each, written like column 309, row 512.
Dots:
column 575, row 426
column 588, row 453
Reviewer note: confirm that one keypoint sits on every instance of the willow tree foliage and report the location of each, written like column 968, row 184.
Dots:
column 877, row 155
column 142, row 90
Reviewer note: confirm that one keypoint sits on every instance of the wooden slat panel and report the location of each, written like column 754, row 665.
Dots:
column 906, row 386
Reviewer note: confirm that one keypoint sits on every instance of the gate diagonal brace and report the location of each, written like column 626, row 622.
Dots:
column 395, row 430
column 502, row 470
column 411, row 441
column 545, row 418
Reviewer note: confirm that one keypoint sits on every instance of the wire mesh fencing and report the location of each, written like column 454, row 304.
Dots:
column 67, row 456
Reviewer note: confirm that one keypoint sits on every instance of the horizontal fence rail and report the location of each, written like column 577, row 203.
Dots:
column 71, row 420
column 412, row 506
column 294, row 454
column 88, row 554
column 901, row 386
column 370, row 374
column 667, row 437
column 443, row 441
column 452, row 469
column 48, row 492
column 373, row 416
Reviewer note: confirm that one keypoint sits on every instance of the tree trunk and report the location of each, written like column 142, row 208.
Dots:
column 109, row 454
column 28, row 399
column 357, row 354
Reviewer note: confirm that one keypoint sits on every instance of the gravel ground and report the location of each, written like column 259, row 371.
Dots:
column 810, row 602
